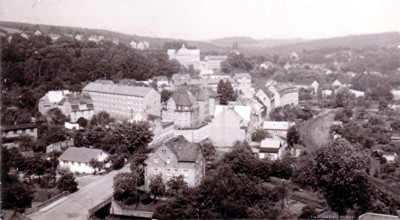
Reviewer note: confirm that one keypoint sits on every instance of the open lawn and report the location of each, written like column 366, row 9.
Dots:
column 315, row 132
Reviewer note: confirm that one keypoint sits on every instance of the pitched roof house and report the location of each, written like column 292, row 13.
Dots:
column 227, row 127
column 78, row 159
column 271, row 148
column 176, row 157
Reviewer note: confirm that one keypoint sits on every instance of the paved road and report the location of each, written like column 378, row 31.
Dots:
column 77, row 205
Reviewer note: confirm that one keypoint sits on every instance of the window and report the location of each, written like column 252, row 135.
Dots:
column 186, row 173
column 163, row 151
column 168, row 161
column 155, row 160
column 155, row 171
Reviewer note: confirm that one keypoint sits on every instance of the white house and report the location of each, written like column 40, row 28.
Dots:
column 390, row 156
column 271, row 148
column 78, row 159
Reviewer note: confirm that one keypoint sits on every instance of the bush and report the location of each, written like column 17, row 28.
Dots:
column 117, row 162
column 67, row 183
column 308, row 212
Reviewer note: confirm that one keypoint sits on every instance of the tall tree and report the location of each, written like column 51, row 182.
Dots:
column 293, row 136
column 340, row 173
column 226, row 92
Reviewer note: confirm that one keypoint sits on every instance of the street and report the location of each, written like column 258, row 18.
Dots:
column 77, row 205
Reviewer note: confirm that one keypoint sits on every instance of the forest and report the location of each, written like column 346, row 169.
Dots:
column 32, row 67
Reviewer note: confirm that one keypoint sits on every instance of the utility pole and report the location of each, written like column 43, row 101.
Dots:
column 283, row 194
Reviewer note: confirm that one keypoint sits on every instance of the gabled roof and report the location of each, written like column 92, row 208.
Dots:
column 183, row 97
column 201, row 94
column 84, row 155
column 117, row 89
column 183, row 149
column 78, row 99
column 269, row 145
column 268, row 92
column 229, row 115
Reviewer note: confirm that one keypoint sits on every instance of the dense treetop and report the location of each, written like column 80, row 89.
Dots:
column 31, row 67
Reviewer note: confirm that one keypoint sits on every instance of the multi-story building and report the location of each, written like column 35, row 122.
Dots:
column 51, row 100
column 11, row 133
column 266, row 97
column 182, row 109
column 176, row 157
column 214, row 62
column 179, row 79
column 123, row 101
column 73, row 105
column 186, row 57
column 285, row 94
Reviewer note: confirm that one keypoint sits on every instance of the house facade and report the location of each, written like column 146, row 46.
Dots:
column 176, row 157
column 11, row 133
column 279, row 128
column 266, row 98
column 285, row 94
column 272, row 149
column 214, row 62
column 227, row 127
column 123, row 101
column 182, row 109
column 71, row 104
column 186, row 57
column 78, row 160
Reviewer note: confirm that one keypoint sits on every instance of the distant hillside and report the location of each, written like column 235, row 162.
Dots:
column 155, row 43
column 248, row 42
column 355, row 41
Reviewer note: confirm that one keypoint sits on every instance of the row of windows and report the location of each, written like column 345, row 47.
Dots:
column 99, row 94
column 19, row 131
column 174, row 172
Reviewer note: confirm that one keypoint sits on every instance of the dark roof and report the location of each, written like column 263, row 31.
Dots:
column 183, row 149
column 17, row 127
column 82, row 154
column 201, row 94
column 212, row 93
column 268, row 92
column 183, row 97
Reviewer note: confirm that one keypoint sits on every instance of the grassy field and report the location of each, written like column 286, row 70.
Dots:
column 315, row 132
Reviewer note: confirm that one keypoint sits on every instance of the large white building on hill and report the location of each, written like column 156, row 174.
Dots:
column 186, row 57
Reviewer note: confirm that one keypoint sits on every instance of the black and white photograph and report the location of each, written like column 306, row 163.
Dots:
column 200, row 109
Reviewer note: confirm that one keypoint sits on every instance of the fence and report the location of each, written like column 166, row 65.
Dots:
column 45, row 203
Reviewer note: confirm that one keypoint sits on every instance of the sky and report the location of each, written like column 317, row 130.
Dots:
column 211, row 19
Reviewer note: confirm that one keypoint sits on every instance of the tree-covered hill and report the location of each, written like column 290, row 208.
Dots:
column 31, row 67
column 155, row 43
